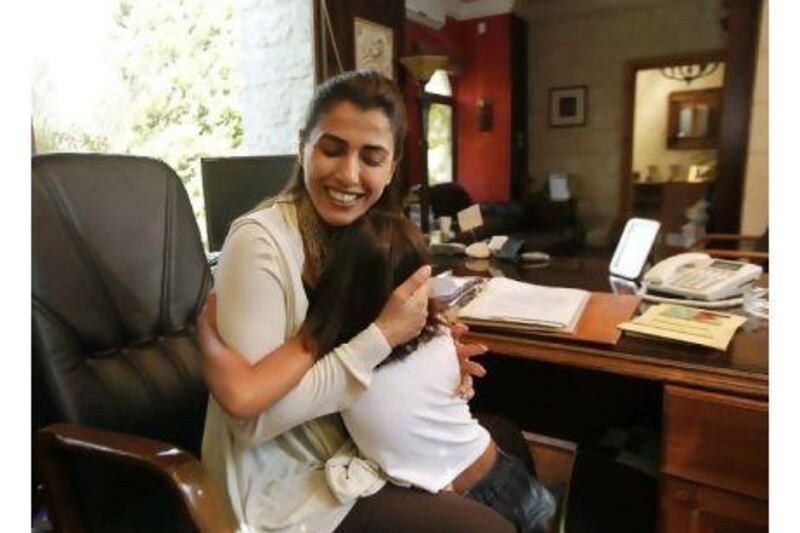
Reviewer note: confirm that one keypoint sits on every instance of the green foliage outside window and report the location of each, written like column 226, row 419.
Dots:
column 440, row 143
column 174, row 93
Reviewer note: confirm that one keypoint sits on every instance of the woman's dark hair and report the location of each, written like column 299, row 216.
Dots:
column 370, row 258
column 366, row 89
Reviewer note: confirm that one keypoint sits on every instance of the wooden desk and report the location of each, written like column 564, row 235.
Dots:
column 714, row 447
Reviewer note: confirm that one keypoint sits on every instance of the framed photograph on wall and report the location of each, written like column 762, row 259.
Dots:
column 693, row 119
column 568, row 106
column 374, row 47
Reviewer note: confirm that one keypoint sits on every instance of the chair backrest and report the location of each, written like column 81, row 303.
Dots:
column 447, row 199
column 118, row 275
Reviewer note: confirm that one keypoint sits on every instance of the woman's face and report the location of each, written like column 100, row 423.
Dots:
column 348, row 160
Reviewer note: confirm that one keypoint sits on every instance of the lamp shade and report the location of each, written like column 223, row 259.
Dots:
column 422, row 67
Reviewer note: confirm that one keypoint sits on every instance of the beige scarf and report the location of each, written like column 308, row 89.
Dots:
column 316, row 236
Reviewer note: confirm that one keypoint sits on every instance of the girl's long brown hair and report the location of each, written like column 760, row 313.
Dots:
column 369, row 259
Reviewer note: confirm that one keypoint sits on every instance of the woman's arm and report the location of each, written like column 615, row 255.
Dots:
column 252, row 322
column 241, row 389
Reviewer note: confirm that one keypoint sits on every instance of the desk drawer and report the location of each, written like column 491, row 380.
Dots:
column 717, row 440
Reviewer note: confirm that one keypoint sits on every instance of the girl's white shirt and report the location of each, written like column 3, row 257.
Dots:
column 411, row 421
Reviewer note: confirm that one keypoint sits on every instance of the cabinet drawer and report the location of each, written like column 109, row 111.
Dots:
column 690, row 508
column 717, row 440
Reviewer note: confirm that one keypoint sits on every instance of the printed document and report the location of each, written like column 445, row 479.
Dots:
column 686, row 324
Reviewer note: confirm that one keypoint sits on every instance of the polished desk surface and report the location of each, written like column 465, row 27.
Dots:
column 742, row 369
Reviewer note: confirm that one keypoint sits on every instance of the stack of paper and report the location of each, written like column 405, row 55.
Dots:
column 515, row 303
column 686, row 324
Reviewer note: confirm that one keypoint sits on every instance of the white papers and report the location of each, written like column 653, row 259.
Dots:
column 515, row 302
column 470, row 218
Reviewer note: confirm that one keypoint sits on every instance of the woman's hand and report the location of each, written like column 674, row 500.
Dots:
column 404, row 315
column 468, row 368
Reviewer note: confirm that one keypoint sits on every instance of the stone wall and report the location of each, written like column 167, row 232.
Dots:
column 573, row 42
column 277, row 72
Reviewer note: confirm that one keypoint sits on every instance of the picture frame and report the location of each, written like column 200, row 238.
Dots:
column 568, row 106
column 373, row 46
column 693, row 119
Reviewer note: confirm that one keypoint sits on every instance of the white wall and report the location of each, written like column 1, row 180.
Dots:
column 650, row 121
column 277, row 72
column 575, row 42
column 755, row 202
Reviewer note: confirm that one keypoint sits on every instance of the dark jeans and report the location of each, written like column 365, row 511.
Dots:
column 510, row 490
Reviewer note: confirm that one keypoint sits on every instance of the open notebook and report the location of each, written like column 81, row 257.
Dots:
column 517, row 303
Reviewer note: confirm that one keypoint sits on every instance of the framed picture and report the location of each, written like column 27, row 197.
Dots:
column 568, row 106
column 693, row 119
column 374, row 47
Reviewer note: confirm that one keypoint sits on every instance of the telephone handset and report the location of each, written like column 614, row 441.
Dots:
column 700, row 277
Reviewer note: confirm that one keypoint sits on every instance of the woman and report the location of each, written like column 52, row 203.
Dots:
column 291, row 466
column 409, row 421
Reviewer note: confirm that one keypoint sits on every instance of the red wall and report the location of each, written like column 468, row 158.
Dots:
column 483, row 71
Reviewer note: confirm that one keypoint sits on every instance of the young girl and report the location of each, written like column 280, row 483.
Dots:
column 409, row 420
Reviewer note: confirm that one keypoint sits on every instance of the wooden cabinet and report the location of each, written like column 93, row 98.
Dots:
column 714, row 463
column 667, row 202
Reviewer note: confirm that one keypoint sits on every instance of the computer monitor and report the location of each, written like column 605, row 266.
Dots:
column 234, row 185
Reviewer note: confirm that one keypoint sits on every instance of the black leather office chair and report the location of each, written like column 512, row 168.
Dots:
column 447, row 199
column 119, row 274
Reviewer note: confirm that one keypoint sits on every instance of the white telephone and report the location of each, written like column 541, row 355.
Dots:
column 697, row 276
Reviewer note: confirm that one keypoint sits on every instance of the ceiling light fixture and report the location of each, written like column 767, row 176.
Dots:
column 689, row 73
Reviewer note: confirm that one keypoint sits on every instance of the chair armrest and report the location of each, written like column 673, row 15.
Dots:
column 731, row 237
column 180, row 470
column 736, row 254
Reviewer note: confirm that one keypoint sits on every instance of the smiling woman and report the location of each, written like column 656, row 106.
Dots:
column 283, row 457
column 349, row 160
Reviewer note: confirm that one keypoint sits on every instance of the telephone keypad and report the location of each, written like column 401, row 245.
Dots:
column 701, row 278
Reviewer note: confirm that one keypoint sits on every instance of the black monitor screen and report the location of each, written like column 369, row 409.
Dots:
column 234, row 185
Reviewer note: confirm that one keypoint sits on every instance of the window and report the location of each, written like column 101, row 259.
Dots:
column 438, row 102
column 144, row 77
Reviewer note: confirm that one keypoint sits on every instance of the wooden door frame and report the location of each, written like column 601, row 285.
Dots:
column 632, row 67
column 741, row 27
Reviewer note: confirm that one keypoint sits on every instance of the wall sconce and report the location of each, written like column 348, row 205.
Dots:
column 485, row 114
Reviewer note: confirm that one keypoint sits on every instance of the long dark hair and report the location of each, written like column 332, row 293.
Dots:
column 369, row 259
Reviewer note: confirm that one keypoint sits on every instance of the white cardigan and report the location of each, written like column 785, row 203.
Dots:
column 292, row 468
